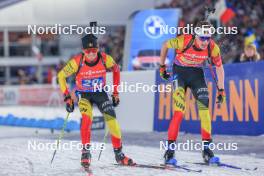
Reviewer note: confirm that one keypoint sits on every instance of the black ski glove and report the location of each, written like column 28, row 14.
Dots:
column 163, row 72
column 69, row 103
column 115, row 99
column 221, row 96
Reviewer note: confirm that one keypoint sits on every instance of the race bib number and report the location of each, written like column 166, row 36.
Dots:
column 93, row 84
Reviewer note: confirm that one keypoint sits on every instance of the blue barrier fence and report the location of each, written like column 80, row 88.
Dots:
column 55, row 124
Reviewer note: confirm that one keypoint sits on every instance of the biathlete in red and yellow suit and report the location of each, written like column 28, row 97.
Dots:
column 90, row 69
column 192, row 51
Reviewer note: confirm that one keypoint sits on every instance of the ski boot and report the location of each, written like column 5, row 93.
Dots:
column 208, row 154
column 86, row 157
column 121, row 158
column 169, row 155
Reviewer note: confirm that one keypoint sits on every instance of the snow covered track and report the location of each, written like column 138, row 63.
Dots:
column 17, row 160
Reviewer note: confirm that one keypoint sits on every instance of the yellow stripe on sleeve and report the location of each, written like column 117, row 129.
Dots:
column 215, row 51
column 109, row 61
column 70, row 68
column 176, row 43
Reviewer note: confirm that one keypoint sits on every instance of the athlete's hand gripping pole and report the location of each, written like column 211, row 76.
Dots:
column 221, row 96
column 115, row 99
column 69, row 103
column 163, row 73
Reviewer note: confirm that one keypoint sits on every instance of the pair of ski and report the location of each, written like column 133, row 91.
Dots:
column 163, row 167
column 225, row 165
column 187, row 168
column 148, row 166
column 183, row 168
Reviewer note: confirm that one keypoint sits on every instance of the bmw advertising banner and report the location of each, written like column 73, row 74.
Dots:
column 241, row 114
column 150, row 29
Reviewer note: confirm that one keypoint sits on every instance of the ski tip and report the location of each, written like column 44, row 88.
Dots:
column 197, row 171
column 253, row 169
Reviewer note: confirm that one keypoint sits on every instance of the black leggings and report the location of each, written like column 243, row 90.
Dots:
column 102, row 101
column 192, row 78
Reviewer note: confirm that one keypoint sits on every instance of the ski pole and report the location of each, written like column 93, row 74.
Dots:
column 104, row 141
column 213, row 75
column 209, row 11
column 60, row 137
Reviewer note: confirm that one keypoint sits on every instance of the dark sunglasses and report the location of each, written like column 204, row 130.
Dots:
column 204, row 38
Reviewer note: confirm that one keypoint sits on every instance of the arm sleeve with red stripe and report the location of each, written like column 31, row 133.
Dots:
column 110, row 64
column 116, row 78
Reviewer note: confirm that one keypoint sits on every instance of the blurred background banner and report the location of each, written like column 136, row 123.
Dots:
column 37, row 95
column 241, row 114
column 147, row 37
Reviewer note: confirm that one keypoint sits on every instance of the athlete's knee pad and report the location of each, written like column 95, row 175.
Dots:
column 179, row 99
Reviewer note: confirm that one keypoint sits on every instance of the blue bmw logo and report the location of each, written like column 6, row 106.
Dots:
column 152, row 26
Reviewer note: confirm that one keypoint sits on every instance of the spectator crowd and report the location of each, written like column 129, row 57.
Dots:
column 249, row 15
